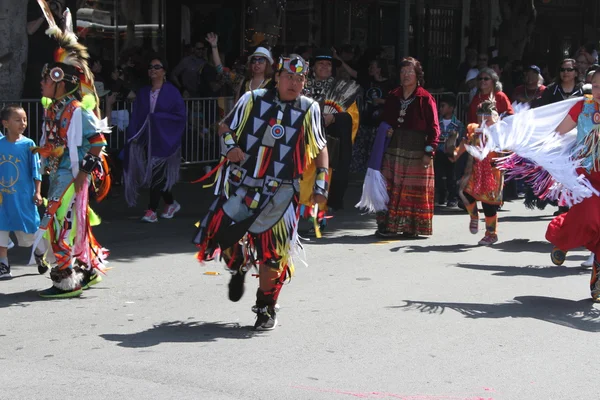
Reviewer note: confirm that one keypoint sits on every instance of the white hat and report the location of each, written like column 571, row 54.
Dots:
column 262, row 52
column 472, row 74
column 100, row 89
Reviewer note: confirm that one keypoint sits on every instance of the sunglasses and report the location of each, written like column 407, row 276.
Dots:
column 258, row 60
column 483, row 59
column 484, row 78
column 567, row 69
column 155, row 67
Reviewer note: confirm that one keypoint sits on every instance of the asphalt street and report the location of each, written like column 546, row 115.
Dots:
column 438, row 318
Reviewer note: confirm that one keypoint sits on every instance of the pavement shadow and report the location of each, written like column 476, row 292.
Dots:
column 580, row 315
column 20, row 299
column 344, row 239
column 529, row 270
column 450, row 248
column 181, row 332
column 519, row 218
column 523, row 245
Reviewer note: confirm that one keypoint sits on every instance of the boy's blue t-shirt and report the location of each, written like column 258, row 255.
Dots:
column 19, row 169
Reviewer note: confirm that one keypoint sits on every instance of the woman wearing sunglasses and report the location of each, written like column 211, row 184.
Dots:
column 489, row 88
column 259, row 72
column 565, row 86
column 153, row 148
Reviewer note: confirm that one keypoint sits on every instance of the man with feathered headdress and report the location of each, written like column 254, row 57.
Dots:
column 71, row 150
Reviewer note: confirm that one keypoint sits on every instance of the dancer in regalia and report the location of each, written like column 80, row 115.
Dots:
column 71, row 150
column 569, row 168
column 267, row 141
column 481, row 181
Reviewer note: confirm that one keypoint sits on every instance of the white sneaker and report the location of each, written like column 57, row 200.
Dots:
column 170, row 210
column 589, row 262
column 150, row 216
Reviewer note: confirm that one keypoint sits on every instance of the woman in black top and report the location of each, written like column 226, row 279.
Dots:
column 567, row 84
column 376, row 89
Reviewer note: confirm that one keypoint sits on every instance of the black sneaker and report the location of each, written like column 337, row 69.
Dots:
column 42, row 264
column 266, row 319
column 5, row 272
column 236, row 285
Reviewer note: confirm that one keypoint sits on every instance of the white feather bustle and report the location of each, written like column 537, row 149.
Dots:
column 374, row 196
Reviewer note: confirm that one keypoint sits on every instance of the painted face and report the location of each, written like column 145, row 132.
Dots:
column 567, row 72
column 322, row 69
column 485, row 82
column 290, row 85
column 408, row 76
column 17, row 122
column 156, row 71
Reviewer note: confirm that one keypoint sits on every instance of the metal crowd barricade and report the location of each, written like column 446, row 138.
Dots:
column 200, row 143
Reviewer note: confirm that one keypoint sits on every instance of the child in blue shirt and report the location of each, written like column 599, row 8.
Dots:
column 20, row 185
column 451, row 130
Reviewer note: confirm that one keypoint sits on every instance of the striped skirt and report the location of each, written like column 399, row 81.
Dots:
column 410, row 186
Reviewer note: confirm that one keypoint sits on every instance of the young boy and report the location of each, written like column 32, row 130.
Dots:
column 451, row 131
column 20, row 185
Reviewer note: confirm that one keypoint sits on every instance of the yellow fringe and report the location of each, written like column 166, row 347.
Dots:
column 281, row 239
column 312, row 150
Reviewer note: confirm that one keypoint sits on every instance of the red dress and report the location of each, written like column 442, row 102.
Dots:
column 581, row 225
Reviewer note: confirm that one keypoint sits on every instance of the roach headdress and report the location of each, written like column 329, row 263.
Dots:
column 70, row 61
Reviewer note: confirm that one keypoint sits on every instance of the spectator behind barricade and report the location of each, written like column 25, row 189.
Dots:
column 471, row 79
column 452, row 130
column 41, row 46
column 153, row 150
column 347, row 68
column 306, row 52
column 489, row 88
column 584, row 61
column 565, row 85
column 376, row 90
column 533, row 87
column 516, row 74
column 187, row 74
column 469, row 63
column 589, row 74
column 259, row 73
column 211, row 76
column 97, row 67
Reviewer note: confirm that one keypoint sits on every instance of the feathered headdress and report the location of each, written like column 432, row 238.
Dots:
column 70, row 61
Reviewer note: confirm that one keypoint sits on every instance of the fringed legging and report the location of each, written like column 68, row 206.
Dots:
column 490, row 210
